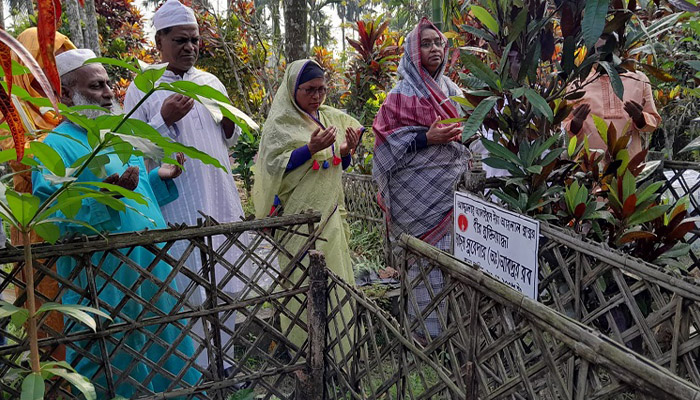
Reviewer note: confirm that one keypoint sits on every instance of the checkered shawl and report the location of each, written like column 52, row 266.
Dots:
column 415, row 188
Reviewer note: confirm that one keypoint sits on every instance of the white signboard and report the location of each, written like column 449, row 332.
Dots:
column 502, row 243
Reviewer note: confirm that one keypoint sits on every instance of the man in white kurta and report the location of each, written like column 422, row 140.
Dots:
column 202, row 188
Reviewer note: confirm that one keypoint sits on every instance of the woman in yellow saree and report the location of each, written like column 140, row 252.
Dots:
column 304, row 149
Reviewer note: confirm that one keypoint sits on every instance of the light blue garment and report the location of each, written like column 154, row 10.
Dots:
column 103, row 218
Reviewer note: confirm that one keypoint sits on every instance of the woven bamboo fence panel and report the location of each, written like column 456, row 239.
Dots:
column 493, row 342
column 263, row 354
column 683, row 179
column 361, row 201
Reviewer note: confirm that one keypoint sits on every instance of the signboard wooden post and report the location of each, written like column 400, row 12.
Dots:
column 502, row 243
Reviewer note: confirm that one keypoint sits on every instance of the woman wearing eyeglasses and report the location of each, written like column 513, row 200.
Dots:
column 416, row 159
column 305, row 147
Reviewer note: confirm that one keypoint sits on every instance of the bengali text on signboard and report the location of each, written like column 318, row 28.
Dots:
column 502, row 243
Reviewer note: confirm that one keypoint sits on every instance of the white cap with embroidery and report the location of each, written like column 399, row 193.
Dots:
column 72, row 59
column 173, row 13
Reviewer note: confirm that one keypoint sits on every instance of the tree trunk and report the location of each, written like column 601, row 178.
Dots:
column 2, row 15
column 275, row 13
column 74, row 25
column 342, row 32
column 295, row 26
column 83, row 17
column 92, row 39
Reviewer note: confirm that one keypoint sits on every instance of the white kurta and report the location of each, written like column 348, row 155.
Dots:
column 202, row 187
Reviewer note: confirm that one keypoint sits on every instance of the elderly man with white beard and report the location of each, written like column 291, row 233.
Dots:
column 88, row 84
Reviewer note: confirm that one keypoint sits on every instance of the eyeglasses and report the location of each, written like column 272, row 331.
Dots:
column 428, row 44
column 312, row 90
column 181, row 41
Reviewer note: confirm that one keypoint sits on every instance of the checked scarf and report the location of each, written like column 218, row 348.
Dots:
column 415, row 187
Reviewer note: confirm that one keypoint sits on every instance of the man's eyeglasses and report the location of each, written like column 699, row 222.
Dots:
column 181, row 41
column 312, row 90
column 428, row 44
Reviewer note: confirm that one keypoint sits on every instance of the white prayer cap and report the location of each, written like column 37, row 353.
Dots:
column 72, row 59
column 173, row 13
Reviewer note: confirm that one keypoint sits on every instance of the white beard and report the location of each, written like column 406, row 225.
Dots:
column 80, row 100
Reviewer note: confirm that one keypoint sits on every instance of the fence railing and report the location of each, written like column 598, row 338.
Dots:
column 197, row 341
column 683, row 179
column 637, row 304
column 493, row 343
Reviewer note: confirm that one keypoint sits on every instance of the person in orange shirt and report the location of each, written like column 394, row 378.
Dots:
column 637, row 109
column 23, row 181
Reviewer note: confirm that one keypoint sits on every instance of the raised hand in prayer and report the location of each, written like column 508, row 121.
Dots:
column 129, row 179
column 636, row 112
column 321, row 139
column 175, row 107
column 172, row 171
column 580, row 114
column 443, row 134
column 352, row 139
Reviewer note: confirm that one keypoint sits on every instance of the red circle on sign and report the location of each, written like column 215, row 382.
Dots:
column 462, row 222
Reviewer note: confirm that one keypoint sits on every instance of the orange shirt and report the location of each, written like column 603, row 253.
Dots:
column 604, row 103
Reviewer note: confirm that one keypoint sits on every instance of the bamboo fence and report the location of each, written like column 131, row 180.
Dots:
column 638, row 305
column 493, row 343
column 262, row 355
column 683, row 179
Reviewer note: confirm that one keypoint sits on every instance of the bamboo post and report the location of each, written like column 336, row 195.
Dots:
column 312, row 385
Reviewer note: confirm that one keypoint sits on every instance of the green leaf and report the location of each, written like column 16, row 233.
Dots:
column 115, row 62
column 594, row 21
column 217, row 103
column 18, row 314
column 72, row 221
column 497, row 150
column 601, row 126
column 693, row 145
column 476, row 119
column 129, row 194
column 80, row 382
column 76, row 311
column 451, row 120
column 695, row 64
column 648, row 191
column 629, row 186
column 539, row 103
column 518, row 26
column 480, row 70
column 647, row 215
column 17, row 69
column 463, row 102
column 23, row 205
column 9, row 154
column 485, row 18
column 146, row 80
column 534, row 169
column 48, row 231
column 572, row 146
column 48, row 157
column 615, row 80
column 551, row 156
column 502, row 164
column 33, row 387
column 141, row 129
